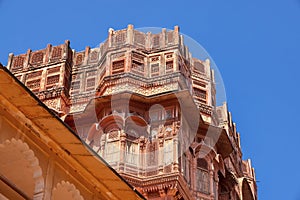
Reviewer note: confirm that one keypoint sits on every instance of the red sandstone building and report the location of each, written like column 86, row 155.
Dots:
column 148, row 108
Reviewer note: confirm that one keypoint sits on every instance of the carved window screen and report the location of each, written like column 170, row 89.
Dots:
column 112, row 152
column 200, row 95
column 118, row 66
column 168, row 152
column 132, row 153
column 154, row 69
column 202, row 176
column 18, row 63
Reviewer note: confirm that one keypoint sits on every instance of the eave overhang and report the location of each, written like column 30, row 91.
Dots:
column 62, row 139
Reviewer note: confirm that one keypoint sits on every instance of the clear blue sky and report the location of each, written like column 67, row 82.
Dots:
column 255, row 44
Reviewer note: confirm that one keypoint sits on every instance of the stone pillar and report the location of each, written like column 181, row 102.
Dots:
column 43, row 79
column 148, row 41
column 176, row 35
column 194, row 176
column 47, row 56
column 176, row 61
column 162, row 68
column 130, row 34
column 163, row 38
column 122, row 151
column 86, row 55
column 161, row 155
column 216, row 181
column 49, row 179
column 175, row 154
column 27, row 60
column 66, row 49
column 127, row 61
column 142, row 145
column 9, row 61
column 211, row 183
column 110, row 35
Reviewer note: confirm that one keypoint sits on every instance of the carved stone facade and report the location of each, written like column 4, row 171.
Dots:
column 145, row 105
column 42, row 159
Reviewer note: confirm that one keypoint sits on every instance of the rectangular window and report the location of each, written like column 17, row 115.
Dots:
column 168, row 152
column 75, row 85
column 52, row 79
column 112, row 152
column 131, row 153
column 90, row 83
column 118, row 66
column 152, row 156
column 169, row 66
column 202, row 181
column 154, row 69
column 138, row 67
column 200, row 95
column 35, row 84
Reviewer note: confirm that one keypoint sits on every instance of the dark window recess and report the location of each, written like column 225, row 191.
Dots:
column 199, row 83
column 201, row 163
column 52, row 79
column 90, row 82
column 33, row 84
column 118, row 67
column 200, row 93
column 137, row 66
column 169, row 65
column 154, row 68
column 199, row 67
column 53, row 70
column 34, row 75
column 75, row 85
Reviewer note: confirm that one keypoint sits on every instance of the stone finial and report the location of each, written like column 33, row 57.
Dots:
column 67, row 42
column 130, row 27
column 111, row 31
column 176, row 28
column 207, row 60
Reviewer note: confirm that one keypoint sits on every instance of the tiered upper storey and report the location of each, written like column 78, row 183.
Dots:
column 129, row 60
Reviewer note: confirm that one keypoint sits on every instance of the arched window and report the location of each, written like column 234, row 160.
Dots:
column 66, row 190
column 20, row 167
column 202, row 176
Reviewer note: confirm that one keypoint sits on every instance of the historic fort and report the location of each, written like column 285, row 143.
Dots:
column 136, row 116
